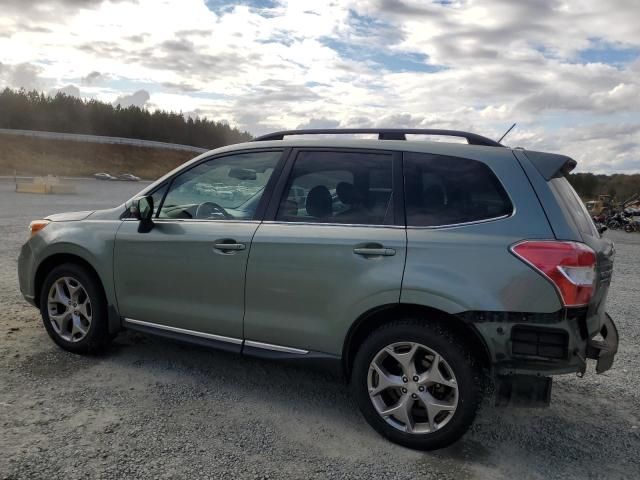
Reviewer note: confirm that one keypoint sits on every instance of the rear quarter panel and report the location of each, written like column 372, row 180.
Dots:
column 469, row 267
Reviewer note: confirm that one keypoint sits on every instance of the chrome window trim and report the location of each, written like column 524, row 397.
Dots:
column 194, row 333
column 277, row 348
column 369, row 225
column 192, row 220
column 201, row 220
column 463, row 224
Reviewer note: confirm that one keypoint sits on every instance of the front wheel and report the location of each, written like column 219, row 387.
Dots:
column 416, row 384
column 73, row 309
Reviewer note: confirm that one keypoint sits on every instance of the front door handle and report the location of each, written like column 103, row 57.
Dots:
column 384, row 252
column 228, row 246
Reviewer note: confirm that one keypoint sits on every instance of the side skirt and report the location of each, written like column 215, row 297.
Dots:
column 267, row 351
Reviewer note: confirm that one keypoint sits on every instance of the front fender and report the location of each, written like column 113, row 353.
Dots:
column 90, row 241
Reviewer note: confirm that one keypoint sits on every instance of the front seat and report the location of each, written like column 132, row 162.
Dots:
column 348, row 195
column 319, row 202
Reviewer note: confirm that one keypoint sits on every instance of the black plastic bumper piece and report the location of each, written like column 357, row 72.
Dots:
column 604, row 351
column 523, row 391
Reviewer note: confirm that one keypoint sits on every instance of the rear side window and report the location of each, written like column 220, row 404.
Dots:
column 339, row 187
column 442, row 190
column 573, row 204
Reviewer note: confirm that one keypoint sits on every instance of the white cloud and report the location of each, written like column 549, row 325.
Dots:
column 93, row 78
column 136, row 99
column 486, row 64
column 22, row 75
column 70, row 90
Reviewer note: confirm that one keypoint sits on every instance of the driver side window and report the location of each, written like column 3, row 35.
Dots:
column 224, row 188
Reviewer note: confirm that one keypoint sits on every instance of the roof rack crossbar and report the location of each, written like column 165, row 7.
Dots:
column 384, row 134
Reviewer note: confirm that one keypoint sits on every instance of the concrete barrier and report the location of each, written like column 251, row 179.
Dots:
column 44, row 185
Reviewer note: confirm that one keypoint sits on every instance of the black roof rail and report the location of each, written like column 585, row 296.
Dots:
column 384, row 134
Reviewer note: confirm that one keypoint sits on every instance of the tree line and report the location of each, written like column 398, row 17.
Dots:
column 33, row 110
column 619, row 186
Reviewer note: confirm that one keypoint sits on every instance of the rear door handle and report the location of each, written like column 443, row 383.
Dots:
column 384, row 252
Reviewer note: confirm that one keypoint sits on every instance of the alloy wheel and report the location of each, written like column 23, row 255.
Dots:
column 412, row 387
column 69, row 308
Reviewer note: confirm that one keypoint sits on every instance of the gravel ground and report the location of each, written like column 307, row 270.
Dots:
column 150, row 408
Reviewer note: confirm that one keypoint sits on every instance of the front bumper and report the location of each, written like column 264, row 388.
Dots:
column 604, row 351
column 26, row 273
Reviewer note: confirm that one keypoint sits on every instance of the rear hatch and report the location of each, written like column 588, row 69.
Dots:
column 555, row 169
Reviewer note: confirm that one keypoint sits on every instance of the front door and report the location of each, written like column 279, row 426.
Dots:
column 334, row 249
column 187, row 274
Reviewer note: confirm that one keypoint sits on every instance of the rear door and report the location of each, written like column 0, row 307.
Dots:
column 332, row 246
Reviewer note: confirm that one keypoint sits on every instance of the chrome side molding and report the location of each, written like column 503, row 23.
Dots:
column 219, row 338
column 277, row 348
column 184, row 331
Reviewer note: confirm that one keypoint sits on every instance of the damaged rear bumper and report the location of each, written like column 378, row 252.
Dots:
column 604, row 350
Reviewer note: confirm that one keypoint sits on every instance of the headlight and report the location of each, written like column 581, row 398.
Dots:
column 37, row 225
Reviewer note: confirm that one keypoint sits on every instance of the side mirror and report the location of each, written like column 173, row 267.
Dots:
column 142, row 209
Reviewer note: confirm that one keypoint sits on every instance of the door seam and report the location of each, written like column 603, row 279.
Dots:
column 244, row 292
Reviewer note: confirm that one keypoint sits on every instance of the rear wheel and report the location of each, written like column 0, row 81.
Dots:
column 73, row 309
column 416, row 384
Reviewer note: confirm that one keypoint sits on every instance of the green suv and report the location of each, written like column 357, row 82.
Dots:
column 417, row 268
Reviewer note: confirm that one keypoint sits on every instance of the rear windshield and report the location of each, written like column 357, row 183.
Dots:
column 573, row 205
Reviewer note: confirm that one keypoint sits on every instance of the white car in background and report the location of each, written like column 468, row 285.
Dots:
column 104, row 176
column 128, row 177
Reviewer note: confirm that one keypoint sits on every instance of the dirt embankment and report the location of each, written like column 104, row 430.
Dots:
column 33, row 156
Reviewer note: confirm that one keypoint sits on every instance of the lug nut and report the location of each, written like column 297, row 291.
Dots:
column 421, row 388
column 405, row 379
column 413, row 395
column 415, row 378
column 404, row 390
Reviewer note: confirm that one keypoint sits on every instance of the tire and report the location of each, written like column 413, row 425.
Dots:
column 629, row 228
column 457, row 369
column 75, row 318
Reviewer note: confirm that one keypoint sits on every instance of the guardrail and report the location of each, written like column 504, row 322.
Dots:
column 78, row 137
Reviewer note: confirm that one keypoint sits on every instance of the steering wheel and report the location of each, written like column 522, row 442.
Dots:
column 211, row 209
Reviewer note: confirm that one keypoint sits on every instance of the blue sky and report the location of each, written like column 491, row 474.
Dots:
column 568, row 72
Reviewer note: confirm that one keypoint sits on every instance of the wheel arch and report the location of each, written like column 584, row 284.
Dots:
column 52, row 261
column 375, row 317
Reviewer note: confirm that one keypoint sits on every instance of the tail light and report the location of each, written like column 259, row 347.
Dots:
column 571, row 267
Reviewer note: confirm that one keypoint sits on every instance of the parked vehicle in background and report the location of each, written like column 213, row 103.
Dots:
column 104, row 176
column 128, row 177
column 417, row 268
column 601, row 206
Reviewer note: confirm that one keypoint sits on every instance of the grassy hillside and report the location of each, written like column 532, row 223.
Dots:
column 32, row 156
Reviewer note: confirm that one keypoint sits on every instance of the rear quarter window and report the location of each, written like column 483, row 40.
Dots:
column 442, row 190
column 571, row 202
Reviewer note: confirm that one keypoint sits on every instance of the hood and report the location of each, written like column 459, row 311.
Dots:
column 69, row 216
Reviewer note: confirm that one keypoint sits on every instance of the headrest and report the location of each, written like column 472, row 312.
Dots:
column 319, row 202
